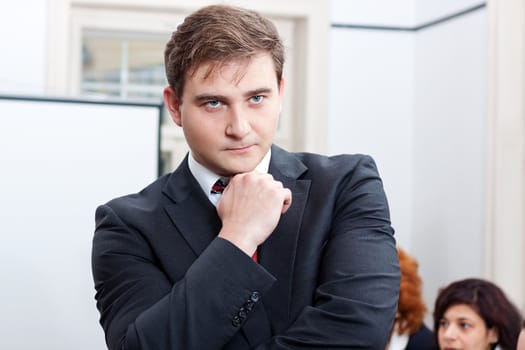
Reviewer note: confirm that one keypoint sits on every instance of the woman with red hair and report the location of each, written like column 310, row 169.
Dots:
column 409, row 332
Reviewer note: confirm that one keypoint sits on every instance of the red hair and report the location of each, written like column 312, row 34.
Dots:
column 411, row 308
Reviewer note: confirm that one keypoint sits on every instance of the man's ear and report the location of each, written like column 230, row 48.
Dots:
column 172, row 102
column 281, row 87
column 281, row 93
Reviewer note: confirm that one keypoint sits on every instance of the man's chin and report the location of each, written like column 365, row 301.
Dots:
column 235, row 171
column 245, row 167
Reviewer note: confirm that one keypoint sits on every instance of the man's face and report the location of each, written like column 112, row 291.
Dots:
column 230, row 116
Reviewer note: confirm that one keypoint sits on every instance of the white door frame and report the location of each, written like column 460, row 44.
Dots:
column 505, row 200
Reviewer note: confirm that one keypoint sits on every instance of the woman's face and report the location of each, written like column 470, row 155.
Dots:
column 461, row 328
column 521, row 340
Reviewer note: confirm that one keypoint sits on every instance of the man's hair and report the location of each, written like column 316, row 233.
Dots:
column 215, row 35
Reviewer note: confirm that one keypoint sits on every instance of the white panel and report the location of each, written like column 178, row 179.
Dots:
column 59, row 161
column 371, row 109
column 374, row 12
column 450, row 140
column 426, row 10
column 23, row 37
column 400, row 13
column 505, row 220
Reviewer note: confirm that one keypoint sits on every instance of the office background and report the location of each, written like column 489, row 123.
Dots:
column 433, row 90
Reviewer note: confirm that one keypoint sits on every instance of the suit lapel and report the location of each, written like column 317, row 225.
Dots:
column 196, row 219
column 190, row 210
column 277, row 254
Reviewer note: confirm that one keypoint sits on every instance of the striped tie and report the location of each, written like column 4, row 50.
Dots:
column 218, row 187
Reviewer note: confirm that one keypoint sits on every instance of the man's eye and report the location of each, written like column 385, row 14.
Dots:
column 213, row 104
column 257, row 99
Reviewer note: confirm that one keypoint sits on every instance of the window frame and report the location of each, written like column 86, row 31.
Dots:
column 303, row 122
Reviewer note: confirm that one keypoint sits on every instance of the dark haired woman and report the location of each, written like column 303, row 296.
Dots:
column 475, row 314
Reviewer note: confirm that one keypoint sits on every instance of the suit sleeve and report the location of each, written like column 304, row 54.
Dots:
column 141, row 309
column 358, row 287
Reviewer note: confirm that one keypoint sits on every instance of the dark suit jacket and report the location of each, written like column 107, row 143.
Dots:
column 423, row 339
column 328, row 276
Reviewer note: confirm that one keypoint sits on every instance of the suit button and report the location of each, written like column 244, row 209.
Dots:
column 255, row 297
column 249, row 305
column 236, row 321
column 242, row 313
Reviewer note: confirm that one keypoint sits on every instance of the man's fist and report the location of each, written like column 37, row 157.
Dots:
column 250, row 208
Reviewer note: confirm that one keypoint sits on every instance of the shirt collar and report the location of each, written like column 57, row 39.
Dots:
column 206, row 178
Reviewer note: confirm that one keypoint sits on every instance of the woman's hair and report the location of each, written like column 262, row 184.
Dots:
column 491, row 304
column 411, row 308
column 216, row 34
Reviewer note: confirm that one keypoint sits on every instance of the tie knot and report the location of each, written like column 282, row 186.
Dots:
column 218, row 186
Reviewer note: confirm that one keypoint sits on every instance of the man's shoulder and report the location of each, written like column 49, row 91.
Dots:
column 146, row 198
column 327, row 160
column 339, row 163
column 311, row 159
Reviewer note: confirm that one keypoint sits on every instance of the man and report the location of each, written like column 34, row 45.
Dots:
column 296, row 253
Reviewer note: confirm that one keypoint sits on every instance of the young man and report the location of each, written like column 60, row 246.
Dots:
column 296, row 253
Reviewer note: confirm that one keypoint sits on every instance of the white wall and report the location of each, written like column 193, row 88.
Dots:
column 371, row 96
column 449, row 150
column 371, row 110
column 416, row 101
column 426, row 11
column 505, row 219
column 400, row 13
column 23, row 29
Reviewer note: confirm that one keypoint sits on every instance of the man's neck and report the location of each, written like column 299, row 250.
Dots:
column 206, row 178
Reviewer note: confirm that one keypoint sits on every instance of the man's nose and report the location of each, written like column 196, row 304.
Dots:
column 238, row 124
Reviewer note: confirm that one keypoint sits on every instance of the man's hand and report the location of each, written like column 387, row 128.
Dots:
column 250, row 208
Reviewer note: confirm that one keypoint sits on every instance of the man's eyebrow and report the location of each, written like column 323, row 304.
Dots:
column 209, row 97
column 259, row 91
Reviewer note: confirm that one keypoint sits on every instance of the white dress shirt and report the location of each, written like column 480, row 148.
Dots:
column 207, row 178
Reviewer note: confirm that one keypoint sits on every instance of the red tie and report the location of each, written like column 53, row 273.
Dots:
column 218, row 188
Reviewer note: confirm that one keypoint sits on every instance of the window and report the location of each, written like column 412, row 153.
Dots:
column 115, row 49
column 126, row 65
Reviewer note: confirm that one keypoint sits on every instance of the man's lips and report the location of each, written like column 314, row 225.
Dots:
column 239, row 149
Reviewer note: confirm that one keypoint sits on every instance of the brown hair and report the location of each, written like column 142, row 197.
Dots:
column 411, row 308
column 216, row 34
column 491, row 304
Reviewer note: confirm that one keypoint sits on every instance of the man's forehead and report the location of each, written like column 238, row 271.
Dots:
column 233, row 69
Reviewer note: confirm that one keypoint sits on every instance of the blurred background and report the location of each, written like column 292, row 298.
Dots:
column 432, row 89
